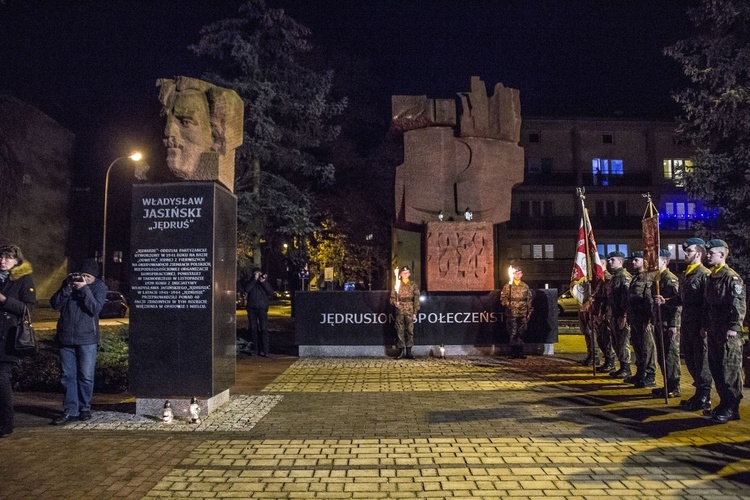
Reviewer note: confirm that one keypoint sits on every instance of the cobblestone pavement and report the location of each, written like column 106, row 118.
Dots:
column 382, row 428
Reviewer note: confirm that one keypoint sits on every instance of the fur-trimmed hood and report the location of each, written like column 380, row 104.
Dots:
column 23, row 269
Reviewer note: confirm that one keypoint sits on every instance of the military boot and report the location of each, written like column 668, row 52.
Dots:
column 608, row 366
column 729, row 412
column 623, row 372
column 408, row 354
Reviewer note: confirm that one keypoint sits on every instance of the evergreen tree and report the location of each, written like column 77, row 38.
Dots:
column 288, row 112
column 716, row 118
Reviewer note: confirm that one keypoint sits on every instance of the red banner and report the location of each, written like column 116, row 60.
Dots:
column 651, row 243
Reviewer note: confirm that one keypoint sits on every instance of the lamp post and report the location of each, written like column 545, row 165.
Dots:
column 135, row 156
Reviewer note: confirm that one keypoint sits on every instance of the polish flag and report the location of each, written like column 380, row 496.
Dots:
column 582, row 275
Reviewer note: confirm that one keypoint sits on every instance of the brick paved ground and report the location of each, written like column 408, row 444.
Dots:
column 381, row 428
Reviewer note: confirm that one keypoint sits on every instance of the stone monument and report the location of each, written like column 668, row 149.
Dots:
column 184, row 233
column 203, row 129
column 457, row 167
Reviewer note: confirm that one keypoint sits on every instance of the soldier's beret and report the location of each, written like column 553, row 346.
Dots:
column 615, row 254
column 716, row 244
column 665, row 253
column 405, row 268
column 693, row 241
column 517, row 269
column 637, row 254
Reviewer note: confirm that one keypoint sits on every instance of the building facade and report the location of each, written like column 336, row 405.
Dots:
column 618, row 162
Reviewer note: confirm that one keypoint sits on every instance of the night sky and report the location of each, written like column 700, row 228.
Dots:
column 91, row 65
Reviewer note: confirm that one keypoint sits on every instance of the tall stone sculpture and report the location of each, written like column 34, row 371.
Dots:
column 203, row 128
column 457, row 167
column 447, row 170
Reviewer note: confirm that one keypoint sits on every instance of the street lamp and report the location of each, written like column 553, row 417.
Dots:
column 135, row 156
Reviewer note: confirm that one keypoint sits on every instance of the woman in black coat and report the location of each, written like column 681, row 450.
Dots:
column 16, row 293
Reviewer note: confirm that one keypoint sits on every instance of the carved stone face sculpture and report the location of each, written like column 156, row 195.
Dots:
column 203, row 129
column 187, row 134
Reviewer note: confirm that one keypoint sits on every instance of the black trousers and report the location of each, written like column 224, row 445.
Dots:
column 258, row 323
column 6, row 397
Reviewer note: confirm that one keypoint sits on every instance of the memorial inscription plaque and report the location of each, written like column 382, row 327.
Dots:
column 182, row 322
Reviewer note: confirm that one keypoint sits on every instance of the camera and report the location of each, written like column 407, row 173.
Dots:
column 76, row 277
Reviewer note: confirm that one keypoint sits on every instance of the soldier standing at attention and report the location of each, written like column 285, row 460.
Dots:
column 667, row 308
column 617, row 308
column 516, row 299
column 692, row 334
column 600, row 323
column 640, row 305
column 725, row 302
column 405, row 297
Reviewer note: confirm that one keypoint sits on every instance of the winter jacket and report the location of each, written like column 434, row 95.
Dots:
column 19, row 292
column 259, row 294
column 79, row 313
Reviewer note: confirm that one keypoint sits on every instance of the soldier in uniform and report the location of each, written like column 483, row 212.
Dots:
column 640, row 305
column 667, row 309
column 516, row 299
column 585, row 321
column 692, row 334
column 600, row 324
column 405, row 298
column 725, row 303
column 617, row 307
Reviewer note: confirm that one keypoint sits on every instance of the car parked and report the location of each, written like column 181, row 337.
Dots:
column 567, row 304
column 115, row 306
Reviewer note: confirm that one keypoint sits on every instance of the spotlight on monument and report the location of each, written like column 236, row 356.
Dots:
column 440, row 216
column 468, row 214
column 135, row 156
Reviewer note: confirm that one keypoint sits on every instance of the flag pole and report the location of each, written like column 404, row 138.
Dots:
column 580, row 192
column 652, row 212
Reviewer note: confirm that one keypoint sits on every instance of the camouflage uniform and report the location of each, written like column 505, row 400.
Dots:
column 725, row 304
column 617, row 307
column 585, row 322
column 670, row 318
column 517, row 302
column 598, row 315
column 407, row 305
column 694, row 345
column 640, row 304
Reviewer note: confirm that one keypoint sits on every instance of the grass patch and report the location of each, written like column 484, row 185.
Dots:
column 42, row 371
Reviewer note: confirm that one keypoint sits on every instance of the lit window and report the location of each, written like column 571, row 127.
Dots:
column 675, row 169
column 538, row 251
column 676, row 251
column 117, row 256
column 607, row 248
column 604, row 167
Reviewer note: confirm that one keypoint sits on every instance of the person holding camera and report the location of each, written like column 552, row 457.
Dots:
column 80, row 300
column 258, row 293
column 16, row 294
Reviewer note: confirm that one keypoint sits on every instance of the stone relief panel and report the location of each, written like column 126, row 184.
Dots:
column 459, row 256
